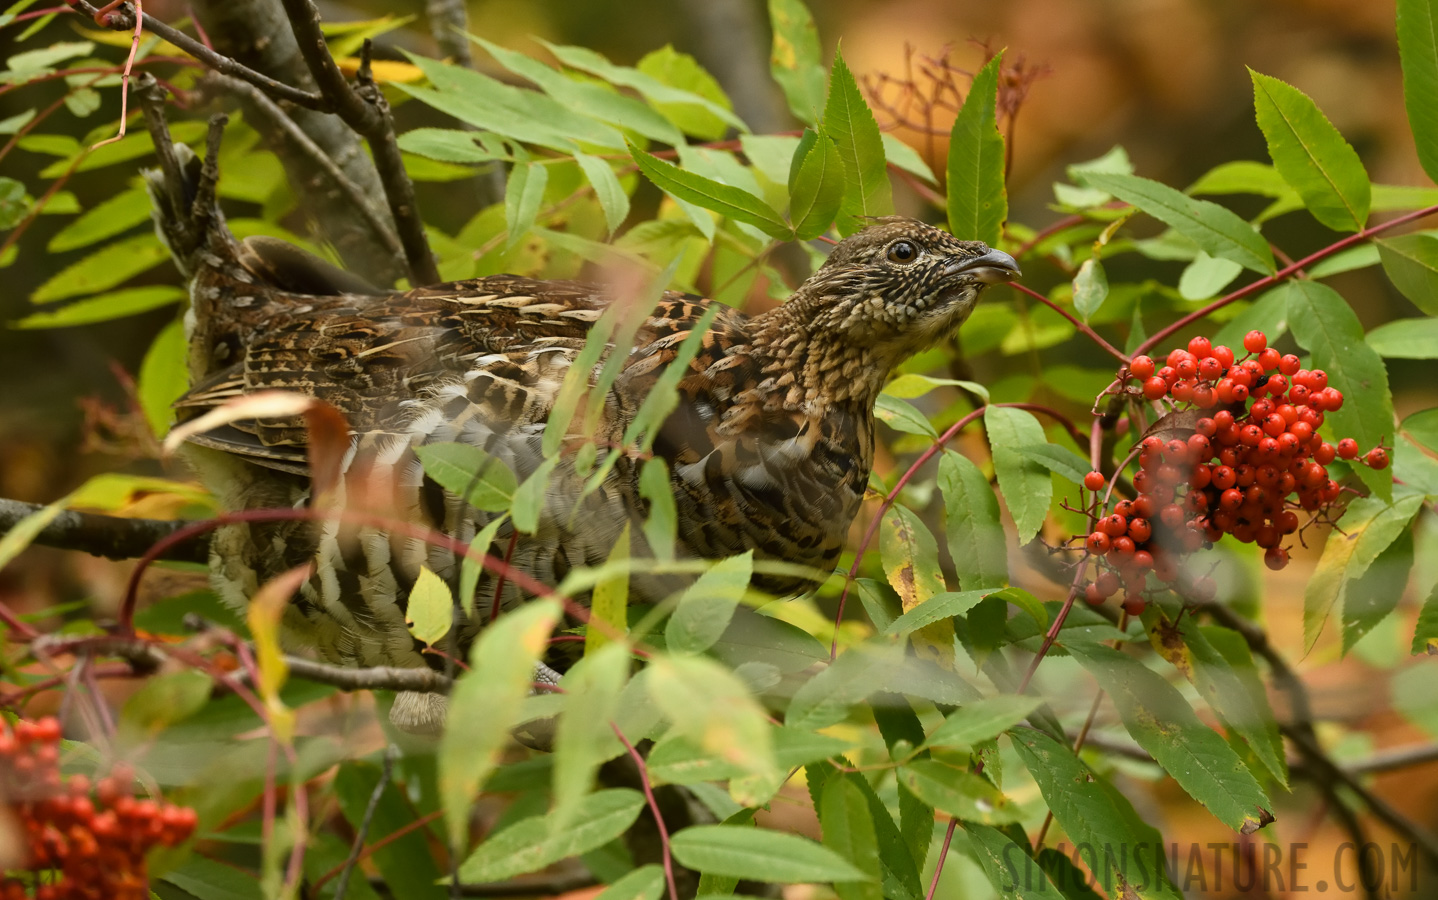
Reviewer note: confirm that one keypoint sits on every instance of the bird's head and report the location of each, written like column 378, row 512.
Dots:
column 892, row 290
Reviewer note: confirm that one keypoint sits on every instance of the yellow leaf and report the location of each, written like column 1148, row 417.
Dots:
column 266, row 610
column 385, row 70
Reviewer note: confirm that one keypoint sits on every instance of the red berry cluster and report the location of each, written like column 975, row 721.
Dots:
column 85, row 842
column 1243, row 468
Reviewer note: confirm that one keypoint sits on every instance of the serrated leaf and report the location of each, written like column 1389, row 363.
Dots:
column 794, row 59
column 1217, row 230
column 1411, row 261
column 1418, row 51
column 901, row 415
column 1324, row 324
column 482, row 480
column 910, row 558
column 485, row 702
column 1061, row 461
column 977, row 200
column 1373, row 597
column 817, row 190
column 760, row 855
column 15, row 204
column 855, row 133
column 103, row 269
column 532, row 844
column 849, row 830
column 680, row 71
column 975, row 532
column 449, row 145
column 959, row 793
column 114, row 305
column 584, row 738
column 911, row 384
column 1311, row 155
column 732, row 202
column 707, row 605
column 1161, row 721
column 1405, row 339
column 998, row 855
column 1093, row 812
column 1024, row 483
column 430, row 610
column 1090, row 288
column 1367, row 528
column 937, row 608
column 612, row 198
column 982, row 720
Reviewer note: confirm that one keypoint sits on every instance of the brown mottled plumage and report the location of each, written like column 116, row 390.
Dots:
column 769, row 449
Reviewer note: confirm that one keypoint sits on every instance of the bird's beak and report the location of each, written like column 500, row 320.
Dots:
column 994, row 267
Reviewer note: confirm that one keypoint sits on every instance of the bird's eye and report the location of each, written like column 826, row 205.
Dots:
column 903, row 252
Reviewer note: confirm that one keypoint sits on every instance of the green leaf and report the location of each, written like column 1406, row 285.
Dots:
column 1311, row 155
column 486, row 701
column 1326, row 326
column 999, row 856
column 1373, row 597
column 466, row 471
column 163, row 377
column 737, row 204
column 849, row 830
column 982, row 720
column 818, row 188
column 1405, row 339
column 612, row 198
column 903, row 156
column 598, row 101
column 450, row 145
column 661, row 528
column 34, row 62
column 204, row 877
column 910, row 558
column 583, row 738
column 1359, row 257
column 760, row 855
column 1206, row 276
column 1366, row 529
column 707, row 605
column 522, row 197
column 1268, row 314
column 678, row 760
column 794, row 58
column 470, row 570
column 1093, row 812
column 912, row 384
column 1217, row 662
column 1161, row 721
column 711, row 707
column 902, row 416
column 850, row 124
column 1061, row 461
column 978, row 202
column 15, row 204
column 534, row 843
column 1025, row 484
column 160, row 702
column 937, row 608
column 1422, row 426
column 1418, row 51
column 959, row 793
column 114, row 305
column 976, row 533
column 1215, row 229
column 676, row 70
column 1411, row 261
column 1425, row 636
column 1090, row 288
column 430, row 611
column 405, row 859
column 644, row 883
column 103, row 269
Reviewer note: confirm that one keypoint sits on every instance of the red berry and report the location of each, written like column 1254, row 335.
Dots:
column 1093, row 596
column 1289, row 365
column 1134, row 604
column 1223, row 355
column 1094, row 481
column 1255, row 341
column 1139, row 530
column 1223, row 478
column 1347, row 448
column 1200, row 347
column 1154, row 388
column 1275, row 558
column 1113, row 525
column 1269, row 359
column 1141, row 367
column 1108, row 583
column 1377, row 458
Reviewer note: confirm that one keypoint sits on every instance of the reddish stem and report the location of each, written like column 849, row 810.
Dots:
column 100, row 19
column 1081, row 326
column 377, row 845
column 499, row 579
column 939, row 863
column 654, row 808
column 1282, row 273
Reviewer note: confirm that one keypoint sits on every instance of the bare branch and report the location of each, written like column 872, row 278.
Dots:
column 448, row 21
column 112, row 537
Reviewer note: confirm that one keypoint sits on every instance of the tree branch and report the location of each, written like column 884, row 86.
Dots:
column 366, row 111
column 112, row 537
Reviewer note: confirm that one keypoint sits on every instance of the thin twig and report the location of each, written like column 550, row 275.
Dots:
column 653, row 808
column 125, row 79
column 361, row 833
column 943, row 853
column 1081, row 326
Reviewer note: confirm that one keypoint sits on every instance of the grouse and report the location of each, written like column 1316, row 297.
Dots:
column 768, row 449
